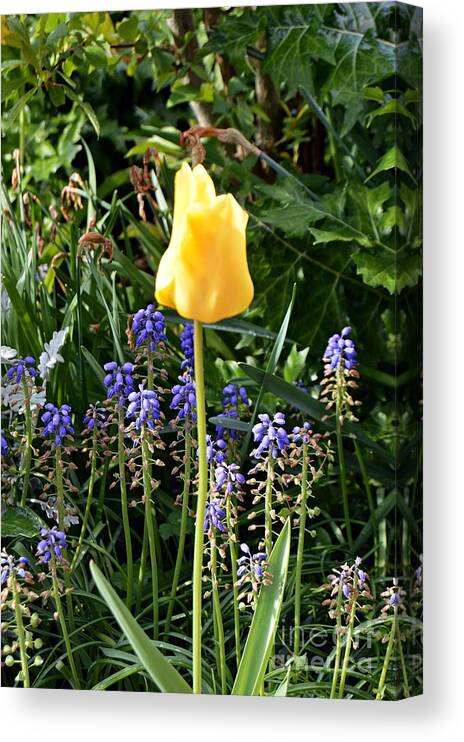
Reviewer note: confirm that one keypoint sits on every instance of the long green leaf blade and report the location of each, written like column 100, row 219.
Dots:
column 160, row 670
column 265, row 620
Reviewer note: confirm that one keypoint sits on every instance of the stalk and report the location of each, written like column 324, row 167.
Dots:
column 341, row 459
column 142, row 568
column 62, row 527
column 201, row 504
column 88, row 504
column 268, row 506
column 233, row 560
column 349, row 641
column 150, row 530
column 218, row 616
column 62, row 620
column 338, row 651
column 402, row 661
column 28, row 451
column 183, row 529
column 386, row 662
column 150, row 385
column 21, row 633
column 300, row 550
column 124, row 506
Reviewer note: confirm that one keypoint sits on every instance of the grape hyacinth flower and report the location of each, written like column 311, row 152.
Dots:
column 53, row 542
column 252, row 564
column 341, row 350
column 9, row 565
column 186, row 344
column 271, row 435
column 4, row 445
column 233, row 397
column 214, row 450
column 228, row 476
column 144, row 406
column 302, row 434
column 57, row 422
column 183, row 397
column 96, row 415
column 393, row 597
column 149, row 327
column 118, row 381
column 214, row 514
column 21, row 367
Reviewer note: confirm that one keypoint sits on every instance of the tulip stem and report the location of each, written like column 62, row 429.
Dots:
column 201, row 505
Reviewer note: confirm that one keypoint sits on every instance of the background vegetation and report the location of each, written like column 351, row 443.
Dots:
column 331, row 94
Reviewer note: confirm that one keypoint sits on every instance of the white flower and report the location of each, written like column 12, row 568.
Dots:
column 51, row 356
column 13, row 397
column 7, row 354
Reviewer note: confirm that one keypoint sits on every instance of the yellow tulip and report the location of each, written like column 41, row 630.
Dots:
column 204, row 272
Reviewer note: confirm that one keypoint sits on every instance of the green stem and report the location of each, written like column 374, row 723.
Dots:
column 183, row 529
column 142, row 568
column 338, row 651
column 150, row 385
column 201, row 504
column 88, row 504
column 150, row 530
column 218, row 616
column 341, row 459
column 62, row 620
column 59, row 488
column 28, row 451
column 268, row 506
column 386, row 662
column 21, row 633
column 402, row 661
column 124, row 505
column 349, row 641
column 233, row 560
column 300, row 550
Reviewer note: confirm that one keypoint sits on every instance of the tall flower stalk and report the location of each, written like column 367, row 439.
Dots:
column 201, row 506
column 144, row 409
column 50, row 551
column 340, row 374
column 300, row 548
column 119, row 384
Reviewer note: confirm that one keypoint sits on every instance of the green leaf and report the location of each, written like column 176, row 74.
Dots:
column 20, row 521
column 296, row 39
column 392, row 107
column 393, row 272
column 393, row 159
column 128, row 28
column 295, row 364
column 160, row 670
column 86, row 107
column 263, row 627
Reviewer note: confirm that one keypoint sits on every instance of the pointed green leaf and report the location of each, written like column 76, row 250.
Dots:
column 160, row 670
column 265, row 621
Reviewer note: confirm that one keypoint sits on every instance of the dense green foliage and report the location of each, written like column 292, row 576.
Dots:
column 331, row 95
